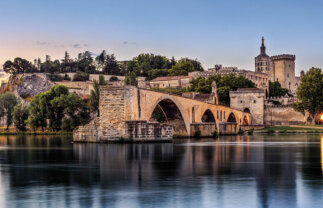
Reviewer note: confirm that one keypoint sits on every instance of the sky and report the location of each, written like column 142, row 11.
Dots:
column 226, row 32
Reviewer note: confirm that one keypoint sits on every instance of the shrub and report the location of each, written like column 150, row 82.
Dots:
column 250, row 131
column 275, row 102
column 114, row 79
column 81, row 76
column 55, row 77
column 270, row 131
column 240, row 132
column 66, row 77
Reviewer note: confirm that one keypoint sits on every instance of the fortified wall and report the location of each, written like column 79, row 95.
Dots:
column 282, row 115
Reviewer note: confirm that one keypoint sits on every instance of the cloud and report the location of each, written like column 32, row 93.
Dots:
column 42, row 43
column 79, row 46
column 128, row 43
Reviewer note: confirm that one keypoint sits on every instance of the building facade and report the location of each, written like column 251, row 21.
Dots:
column 250, row 100
column 280, row 68
column 260, row 79
column 171, row 81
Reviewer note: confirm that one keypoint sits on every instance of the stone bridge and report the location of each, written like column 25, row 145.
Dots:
column 119, row 105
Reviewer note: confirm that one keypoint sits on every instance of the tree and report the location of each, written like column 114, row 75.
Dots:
column 95, row 95
column 310, row 93
column 275, row 89
column 101, row 80
column 131, row 79
column 111, row 66
column 19, row 65
column 81, row 76
column 225, row 84
column 20, row 115
column 62, row 109
column 7, row 103
column 182, row 67
column 37, row 112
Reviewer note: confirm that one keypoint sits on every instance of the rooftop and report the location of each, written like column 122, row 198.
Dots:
column 170, row 78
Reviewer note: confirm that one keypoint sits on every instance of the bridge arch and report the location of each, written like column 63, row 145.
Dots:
column 208, row 116
column 173, row 113
column 232, row 118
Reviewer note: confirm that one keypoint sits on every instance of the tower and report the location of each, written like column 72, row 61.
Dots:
column 215, row 93
column 262, row 61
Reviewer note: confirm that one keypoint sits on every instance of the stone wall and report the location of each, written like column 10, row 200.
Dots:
column 87, row 133
column 228, row 128
column 112, row 113
column 206, row 129
column 148, row 131
column 282, row 115
column 252, row 100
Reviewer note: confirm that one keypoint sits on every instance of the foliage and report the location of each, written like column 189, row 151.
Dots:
column 275, row 102
column 81, row 76
column 170, row 90
column 55, row 77
column 182, row 67
column 275, row 89
column 37, row 112
column 19, row 65
column 66, row 77
column 7, row 103
column 101, row 80
column 95, row 97
column 310, row 93
column 95, row 94
column 225, row 84
column 62, row 109
column 20, row 115
column 131, row 79
column 114, row 79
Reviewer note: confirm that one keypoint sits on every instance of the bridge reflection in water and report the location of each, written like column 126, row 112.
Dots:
column 243, row 171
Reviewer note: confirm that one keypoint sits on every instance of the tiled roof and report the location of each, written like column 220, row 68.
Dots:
column 249, row 89
column 170, row 78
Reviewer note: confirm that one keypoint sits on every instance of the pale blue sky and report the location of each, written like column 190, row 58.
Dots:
column 226, row 32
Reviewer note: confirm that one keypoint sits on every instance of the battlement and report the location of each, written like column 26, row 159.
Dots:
column 283, row 57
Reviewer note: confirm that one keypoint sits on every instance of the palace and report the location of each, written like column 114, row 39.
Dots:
column 279, row 68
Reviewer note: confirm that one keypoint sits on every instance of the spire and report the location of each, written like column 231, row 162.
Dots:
column 263, row 47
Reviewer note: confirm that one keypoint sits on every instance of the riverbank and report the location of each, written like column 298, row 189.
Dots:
column 13, row 131
column 295, row 129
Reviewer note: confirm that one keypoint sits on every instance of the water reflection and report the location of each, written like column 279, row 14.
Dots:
column 242, row 171
column 322, row 153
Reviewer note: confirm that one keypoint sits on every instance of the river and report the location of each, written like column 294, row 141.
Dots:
column 233, row 171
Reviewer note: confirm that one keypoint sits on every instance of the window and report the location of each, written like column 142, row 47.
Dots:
column 287, row 75
column 254, row 101
column 240, row 101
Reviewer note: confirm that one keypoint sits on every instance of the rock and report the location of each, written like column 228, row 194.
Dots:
column 30, row 85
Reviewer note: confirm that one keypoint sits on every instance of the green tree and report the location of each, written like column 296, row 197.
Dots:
column 225, row 84
column 19, row 65
column 20, row 115
column 131, row 79
column 7, row 104
column 275, row 89
column 310, row 93
column 182, row 67
column 62, row 109
column 37, row 112
column 95, row 95
column 101, row 80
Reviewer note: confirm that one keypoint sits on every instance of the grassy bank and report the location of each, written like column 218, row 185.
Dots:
column 290, row 129
column 13, row 131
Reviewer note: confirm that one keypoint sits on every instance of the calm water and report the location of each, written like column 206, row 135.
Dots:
column 243, row 171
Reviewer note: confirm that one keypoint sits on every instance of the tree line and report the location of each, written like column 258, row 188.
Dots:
column 147, row 65
column 56, row 109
